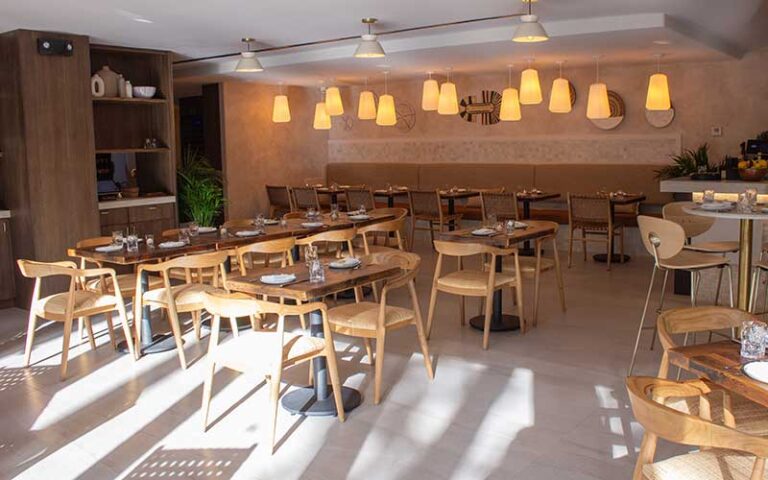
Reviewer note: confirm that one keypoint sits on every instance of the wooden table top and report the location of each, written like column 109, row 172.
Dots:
column 535, row 229
column 463, row 193
column 336, row 280
column 627, row 199
column 536, row 197
column 721, row 364
column 396, row 192
column 214, row 241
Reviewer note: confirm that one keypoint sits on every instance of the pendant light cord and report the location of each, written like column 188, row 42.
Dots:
column 509, row 76
column 386, row 74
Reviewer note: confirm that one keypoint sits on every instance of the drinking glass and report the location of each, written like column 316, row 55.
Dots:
column 316, row 271
column 258, row 224
column 310, row 254
column 117, row 237
column 194, row 229
column 184, row 236
column 311, row 213
column 510, row 226
column 751, row 195
column 361, row 209
column 491, row 221
column 132, row 241
column 334, row 211
column 709, row 196
column 223, row 232
column 753, row 339
column 283, row 223
column 150, row 240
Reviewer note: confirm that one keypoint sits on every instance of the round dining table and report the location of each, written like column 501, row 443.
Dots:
column 746, row 225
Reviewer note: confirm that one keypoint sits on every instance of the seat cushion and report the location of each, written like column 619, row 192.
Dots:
column 687, row 259
column 188, row 296
column 713, row 247
column 365, row 316
column 242, row 352
column 85, row 303
column 473, row 280
column 126, row 282
column 714, row 464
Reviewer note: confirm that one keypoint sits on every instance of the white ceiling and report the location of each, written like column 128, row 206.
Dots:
column 621, row 30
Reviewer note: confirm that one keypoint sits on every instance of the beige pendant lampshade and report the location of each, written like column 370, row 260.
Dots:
column 430, row 94
column 530, row 88
column 333, row 103
column 281, row 112
column 322, row 119
column 386, row 115
column 597, row 103
column 658, row 93
column 560, row 97
column 448, row 102
column 510, row 106
column 366, row 106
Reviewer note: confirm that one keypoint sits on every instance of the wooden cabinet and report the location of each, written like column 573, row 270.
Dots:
column 7, row 266
column 145, row 219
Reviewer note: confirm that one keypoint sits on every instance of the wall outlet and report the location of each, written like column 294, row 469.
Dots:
column 716, row 131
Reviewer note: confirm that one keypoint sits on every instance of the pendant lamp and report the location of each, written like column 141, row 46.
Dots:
column 560, row 97
column 248, row 62
column 281, row 112
column 448, row 103
column 530, row 87
column 333, row 103
column 386, row 116
column 366, row 105
column 658, row 90
column 430, row 94
column 597, row 103
column 369, row 46
column 530, row 30
column 322, row 119
column 510, row 102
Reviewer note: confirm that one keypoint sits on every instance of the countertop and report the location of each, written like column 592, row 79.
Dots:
column 686, row 185
column 136, row 202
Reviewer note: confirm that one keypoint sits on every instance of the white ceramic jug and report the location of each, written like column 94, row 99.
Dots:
column 110, row 81
column 97, row 86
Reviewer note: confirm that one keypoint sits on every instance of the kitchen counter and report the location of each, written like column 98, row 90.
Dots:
column 686, row 185
column 136, row 202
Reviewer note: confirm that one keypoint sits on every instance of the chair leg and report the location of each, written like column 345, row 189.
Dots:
column 570, row 247
column 487, row 323
column 642, row 322
column 110, row 329
column 520, row 310
column 432, row 233
column 559, row 273
column 730, row 285
column 462, row 310
column 719, row 285
column 31, row 327
column 412, row 234
column 368, row 350
column 89, row 330
column 584, row 244
column 207, row 392
column 378, row 367
column 173, row 319
column 333, row 372
column 536, row 281
column 753, row 292
column 80, row 331
column 196, row 324
column 65, row 348
column 424, row 347
column 233, row 326
column 431, row 311
column 609, row 253
column 123, row 316
column 274, row 397
column 661, row 307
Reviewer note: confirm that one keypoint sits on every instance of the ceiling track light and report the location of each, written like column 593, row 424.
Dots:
column 530, row 30
column 248, row 62
column 369, row 46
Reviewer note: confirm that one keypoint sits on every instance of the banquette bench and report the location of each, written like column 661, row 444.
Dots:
column 561, row 178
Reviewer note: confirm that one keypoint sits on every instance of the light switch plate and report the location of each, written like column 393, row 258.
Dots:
column 716, row 131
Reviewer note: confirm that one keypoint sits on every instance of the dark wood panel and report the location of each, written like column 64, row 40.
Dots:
column 150, row 212
column 7, row 289
column 113, row 216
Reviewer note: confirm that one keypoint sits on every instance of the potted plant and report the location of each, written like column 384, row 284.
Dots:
column 693, row 163
column 201, row 195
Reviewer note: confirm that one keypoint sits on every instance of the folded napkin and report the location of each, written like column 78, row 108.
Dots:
column 171, row 244
column 247, row 233
column 109, row 248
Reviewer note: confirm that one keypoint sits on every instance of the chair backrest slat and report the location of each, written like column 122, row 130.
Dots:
column 589, row 209
column 360, row 196
column 305, row 197
column 424, row 202
column 501, row 205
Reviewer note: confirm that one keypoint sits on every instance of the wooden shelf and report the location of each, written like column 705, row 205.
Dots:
column 133, row 150
column 131, row 101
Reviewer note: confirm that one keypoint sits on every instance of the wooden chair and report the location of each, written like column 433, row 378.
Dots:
column 384, row 229
column 271, row 253
column 360, row 196
column 74, row 303
column 725, row 453
column 664, row 240
column 370, row 320
column 475, row 283
column 398, row 212
column 184, row 298
column 758, row 269
column 502, row 206
column 295, row 215
column 103, row 284
column 279, row 200
column 332, row 238
column 592, row 215
column 426, row 206
column 304, row 198
column 286, row 349
column 239, row 222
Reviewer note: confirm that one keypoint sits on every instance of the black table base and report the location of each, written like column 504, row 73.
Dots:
column 160, row 343
column 615, row 258
column 304, row 402
column 528, row 251
column 506, row 323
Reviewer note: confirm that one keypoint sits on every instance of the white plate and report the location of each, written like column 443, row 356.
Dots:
column 171, row 244
column 347, row 262
column 278, row 279
column 109, row 248
column 271, row 221
column 247, row 233
column 312, row 224
column 483, row 232
column 361, row 216
column 716, row 206
column 206, row 229
column 521, row 225
column 757, row 370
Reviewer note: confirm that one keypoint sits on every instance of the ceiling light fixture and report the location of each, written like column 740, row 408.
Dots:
column 281, row 112
column 430, row 94
column 510, row 102
column 530, row 30
column 248, row 62
column 530, row 87
column 322, row 119
column 448, row 102
column 366, row 106
column 597, row 103
column 560, row 97
column 369, row 46
column 658, row 89
column 386, row 116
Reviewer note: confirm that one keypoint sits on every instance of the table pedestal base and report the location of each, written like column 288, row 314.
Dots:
column 160, row 343
column 505, row 324
column 304, row 402
column 615, row 258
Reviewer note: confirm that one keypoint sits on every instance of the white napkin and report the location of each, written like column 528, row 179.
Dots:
column 171, row 244
column 247, row 233
column 109, row 248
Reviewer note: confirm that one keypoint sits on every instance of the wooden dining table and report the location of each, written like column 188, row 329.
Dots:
column 528, row 197
column 391, row 194
column 616, row 199
column 500, row 322
column 152, row 343
column 720, row 363
column 451, row 195
column 316, row 400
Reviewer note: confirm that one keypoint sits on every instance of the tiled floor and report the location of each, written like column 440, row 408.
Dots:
column 547, row 405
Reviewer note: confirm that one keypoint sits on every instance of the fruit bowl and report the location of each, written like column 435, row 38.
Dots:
column 752, row 174
column 144, row 91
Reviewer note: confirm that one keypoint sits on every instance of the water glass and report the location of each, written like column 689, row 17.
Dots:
column 194, row 229
column 753, row 339
column 150, row 240
column 311, row 213
column 258, row 224
column 310, row 254
column 283, row 223
column 117, row 237
column 510, row 226
column 184, row 236
column 316, row 271
column 491, row 221
column 709, row 196
column 334, row 211
column 132, row 241
column 751, row 195
column 223, row 232
column 361, row 209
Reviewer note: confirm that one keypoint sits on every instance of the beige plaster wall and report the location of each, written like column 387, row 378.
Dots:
column 258, row 152
column 730, row 94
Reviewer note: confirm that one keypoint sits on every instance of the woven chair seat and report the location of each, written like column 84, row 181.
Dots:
column 365, row 315
column 473, row 280
column 750, row 417
column 714, row 464
column 86, row 303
